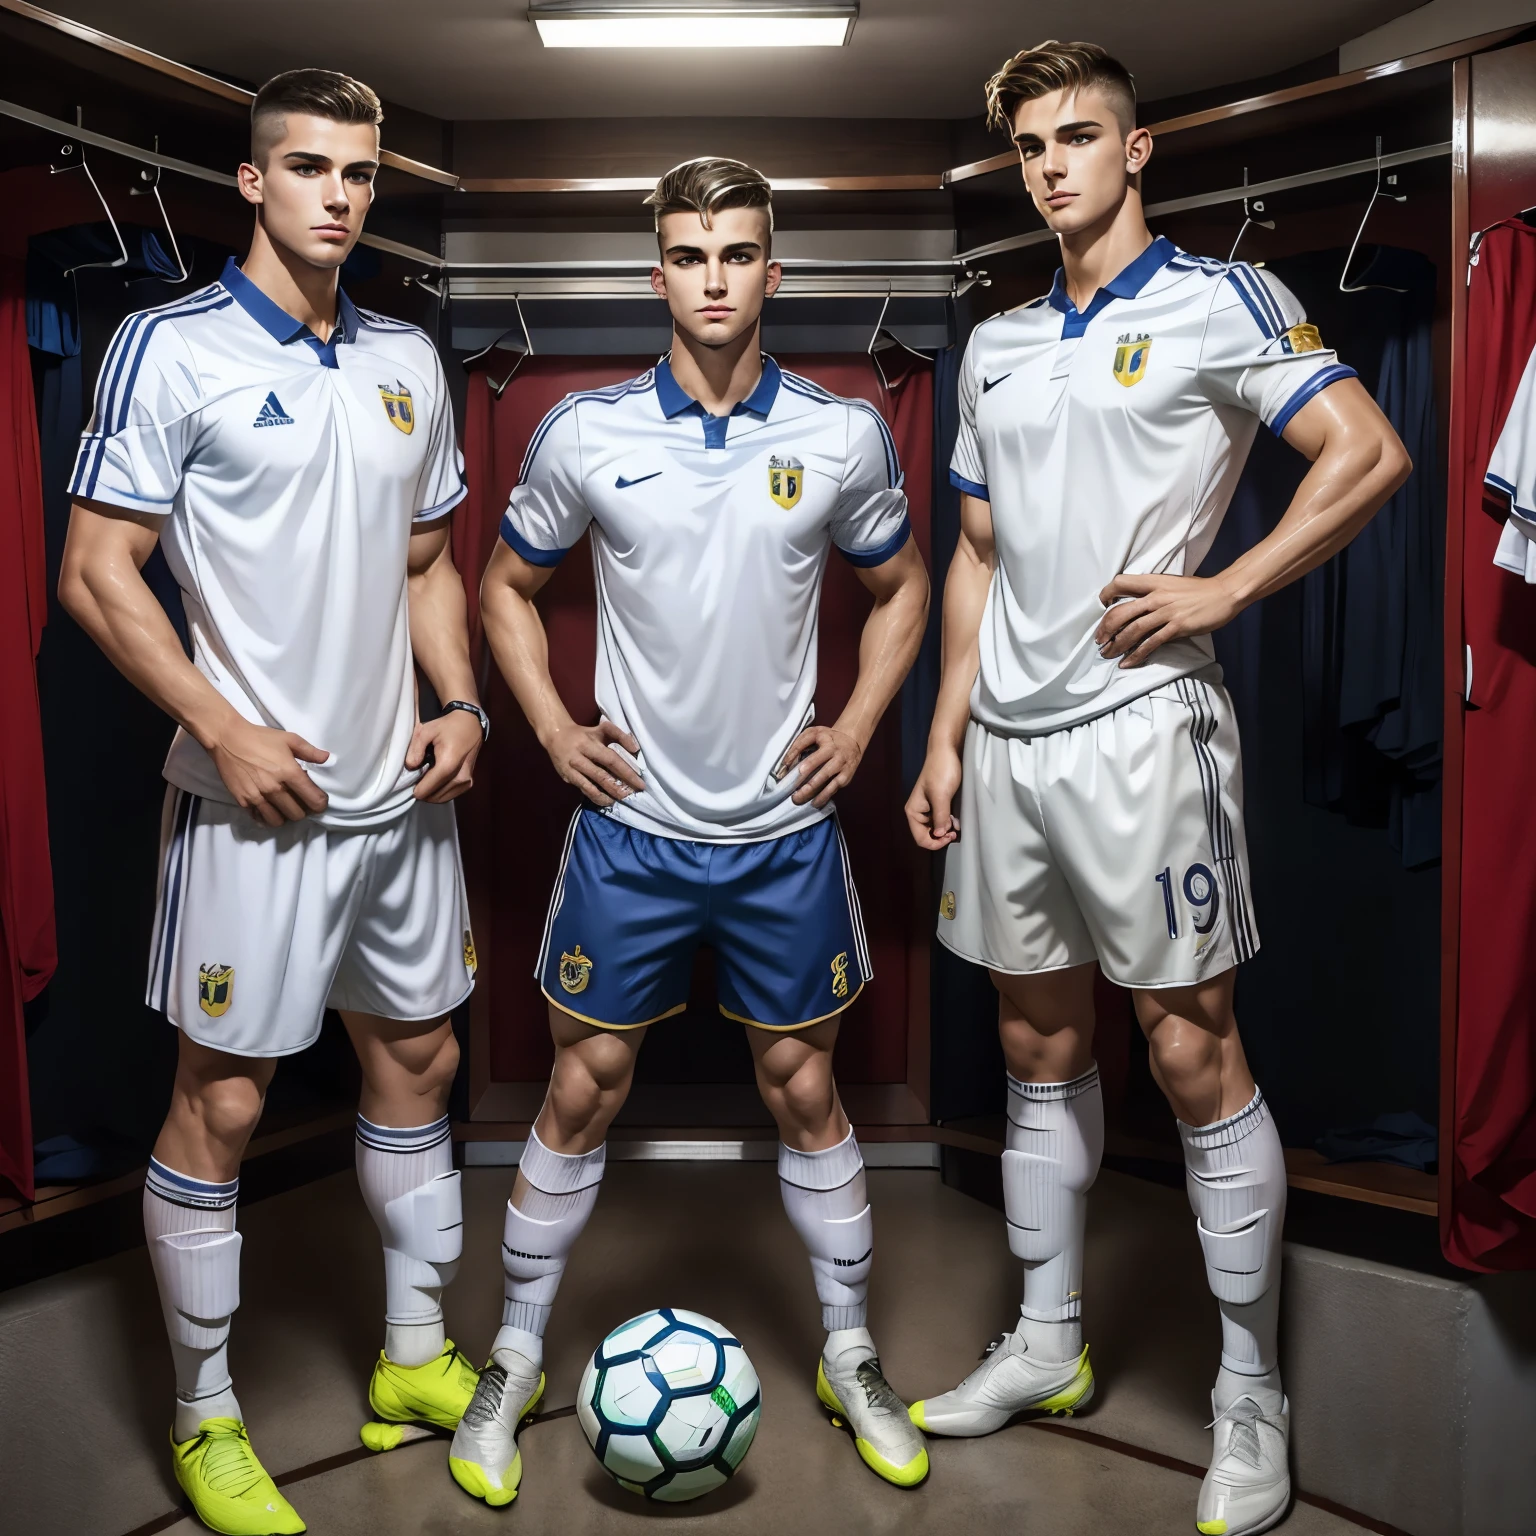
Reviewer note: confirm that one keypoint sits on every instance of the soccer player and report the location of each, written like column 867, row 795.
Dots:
column 714, row 485
column 1082, row 767
column 294, row 456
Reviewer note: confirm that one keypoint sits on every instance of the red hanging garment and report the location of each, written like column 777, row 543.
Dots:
column 514, row 822
column 28, row 953
column 1492, row 1221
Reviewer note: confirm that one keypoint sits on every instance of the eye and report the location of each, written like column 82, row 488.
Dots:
column 1082, row 138
column 362, row 178
column 307, row 170
column 741, row 258
column 1031, row 151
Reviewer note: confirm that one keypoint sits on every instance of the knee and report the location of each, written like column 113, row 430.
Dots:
column 803, row 1100
column 588, row 1086
column 1186, row 1056
column 443, row 1068
column 228, row 1107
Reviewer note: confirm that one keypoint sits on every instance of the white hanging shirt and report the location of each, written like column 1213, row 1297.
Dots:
column 1109, row 441
column 710, row 537
column 291, row 474
column 1512, row 471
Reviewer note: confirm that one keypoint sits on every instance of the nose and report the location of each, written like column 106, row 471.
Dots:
column 336, row 199
column 714, row 278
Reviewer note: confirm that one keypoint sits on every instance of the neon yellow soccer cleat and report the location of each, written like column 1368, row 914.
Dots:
column 434, row 1395
column 484, row 1458
column 885, row 1438
column 229, row 1488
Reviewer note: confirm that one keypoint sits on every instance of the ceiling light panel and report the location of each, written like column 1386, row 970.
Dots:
column 692, row 23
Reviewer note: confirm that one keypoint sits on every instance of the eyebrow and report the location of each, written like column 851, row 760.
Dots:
column 323, row 162
column 730, row 250
column 1034, row 138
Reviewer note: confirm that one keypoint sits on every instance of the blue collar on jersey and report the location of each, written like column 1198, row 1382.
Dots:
column 675, row 401
column 280, row 325
column 1126, row 285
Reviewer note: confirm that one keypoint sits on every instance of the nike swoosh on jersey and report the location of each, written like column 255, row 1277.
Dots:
column 990, row 384
column 622, row 484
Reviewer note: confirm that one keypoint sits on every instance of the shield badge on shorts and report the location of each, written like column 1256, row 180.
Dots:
column 786, row 479
column 471, row 960
column 1131, row 360
column 215, row 988
column 399, row 407
column 575, row 971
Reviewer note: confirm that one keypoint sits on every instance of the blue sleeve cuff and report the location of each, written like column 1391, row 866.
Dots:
column 530, row 552
column 882, row 552
column 1499, row 484
column 427, row 514
column 970, row 487
column 1314, row 386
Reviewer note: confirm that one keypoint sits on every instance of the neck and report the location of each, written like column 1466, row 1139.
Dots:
column 305, row 291
column 1096, row 255
column 719, row 378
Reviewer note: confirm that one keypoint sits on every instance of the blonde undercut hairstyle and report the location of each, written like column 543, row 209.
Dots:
column 1051, row 66
column 707, row 185
column 308, row 93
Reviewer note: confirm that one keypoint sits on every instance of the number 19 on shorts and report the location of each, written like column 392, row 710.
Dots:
column 1200, row 891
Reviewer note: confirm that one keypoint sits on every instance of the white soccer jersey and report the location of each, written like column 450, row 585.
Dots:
column 1512, row 470
column 1108, row 441
column 291, row 474
column 709, row 539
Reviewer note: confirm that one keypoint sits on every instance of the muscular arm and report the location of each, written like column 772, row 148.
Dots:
column 1358, row 461
column 829, row 756
column 440, row 644
column 581, row 754
column 929, row 813
column 103, row 590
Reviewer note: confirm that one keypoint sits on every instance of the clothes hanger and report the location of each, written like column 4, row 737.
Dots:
column 1249, row 220
column 1397, row 197
column 524, row 352
column 80, row 165
column 882, row 341
column 152, row 188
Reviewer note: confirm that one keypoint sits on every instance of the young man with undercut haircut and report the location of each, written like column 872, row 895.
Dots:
column 1083, row 768
column 294, row 456
column 714, row 486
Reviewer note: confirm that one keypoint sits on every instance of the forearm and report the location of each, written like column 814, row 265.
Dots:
column 439, row 618
column 110, row 601
column 965, row 601
column 892, row 636
column 1349, row 480
column 521, row 649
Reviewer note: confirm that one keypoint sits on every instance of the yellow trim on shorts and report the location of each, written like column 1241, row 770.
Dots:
column 603, row 1023
column 782, row 1029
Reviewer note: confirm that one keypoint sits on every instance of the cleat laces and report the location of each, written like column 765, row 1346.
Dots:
column 878, row 1392
column 486, row 1403
column 230, row 1467
column 1244, row 1444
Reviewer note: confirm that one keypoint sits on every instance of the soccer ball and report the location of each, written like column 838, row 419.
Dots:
column 669, row 1403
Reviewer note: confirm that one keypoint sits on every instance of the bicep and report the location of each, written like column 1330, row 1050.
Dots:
column 904, row 569
column 101, row 534
column 1342, row 413
column 508, row 571
column 976, row 541
column 429, row 544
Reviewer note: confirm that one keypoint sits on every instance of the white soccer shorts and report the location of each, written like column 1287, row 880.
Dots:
column 259, row 929
column 1119, row 840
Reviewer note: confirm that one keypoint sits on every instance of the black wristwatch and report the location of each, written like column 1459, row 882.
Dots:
column 477, row 712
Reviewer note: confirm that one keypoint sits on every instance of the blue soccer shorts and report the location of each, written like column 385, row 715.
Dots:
column 630, row 908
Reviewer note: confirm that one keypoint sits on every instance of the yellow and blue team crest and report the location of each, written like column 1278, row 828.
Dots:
column 786, row 479
column 1131, row 353
column 215, row 988
column 947, row 906
column 575, row 971
column 840, row 975
column 399, row 407
column 471, row 960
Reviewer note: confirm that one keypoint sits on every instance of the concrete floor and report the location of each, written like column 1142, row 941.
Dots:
column 88, row 1380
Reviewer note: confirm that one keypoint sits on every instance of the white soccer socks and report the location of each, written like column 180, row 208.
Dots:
column 538, row 1239
column 825, row 1200
column 1055, row 1141
column 1235, row 1173
column 1235, row 1170
column 412, row 1191
column 195, row 1250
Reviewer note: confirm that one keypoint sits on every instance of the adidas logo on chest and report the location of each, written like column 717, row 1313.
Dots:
column 272, row 413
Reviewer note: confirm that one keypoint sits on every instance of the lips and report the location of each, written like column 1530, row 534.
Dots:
column 337, row 231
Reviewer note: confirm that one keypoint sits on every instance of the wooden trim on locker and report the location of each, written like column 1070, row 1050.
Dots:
column 211, row 84
column 932, row 181
column 1455, row 634
column 1281, row 98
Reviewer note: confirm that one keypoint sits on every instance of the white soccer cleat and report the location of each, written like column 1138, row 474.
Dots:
column 1248, row 1488
column 484, row 1457
column 862, row 1399
column 1009, row 1381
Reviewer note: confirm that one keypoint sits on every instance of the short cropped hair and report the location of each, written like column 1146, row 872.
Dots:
column 1051, row 66
column 308, row 93
column 708, row 185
